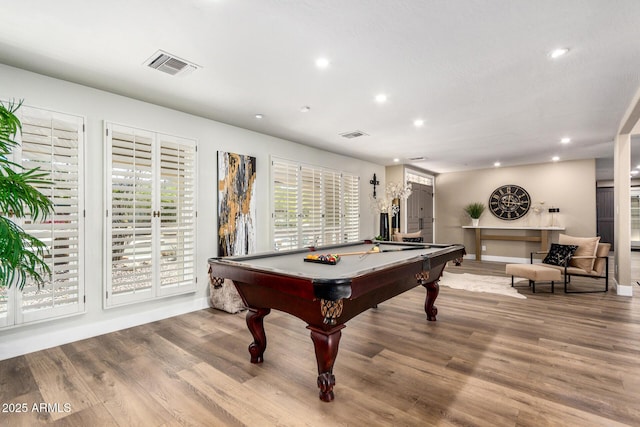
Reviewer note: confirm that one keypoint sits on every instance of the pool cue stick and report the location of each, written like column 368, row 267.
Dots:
column 372, row 251
column 377, row 250
column 408, row 248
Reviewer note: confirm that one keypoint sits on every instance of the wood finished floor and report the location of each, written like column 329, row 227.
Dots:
column 489, row 360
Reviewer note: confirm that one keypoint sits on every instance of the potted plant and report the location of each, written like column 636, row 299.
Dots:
column 475, row 210
column 21, row 255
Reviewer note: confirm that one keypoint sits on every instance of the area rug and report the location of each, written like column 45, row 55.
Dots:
column 477, row 283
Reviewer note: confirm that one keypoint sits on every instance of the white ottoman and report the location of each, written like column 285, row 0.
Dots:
column 533, row 272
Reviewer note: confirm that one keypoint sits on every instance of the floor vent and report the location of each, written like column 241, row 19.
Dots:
column 354, row 134
column 170, row 64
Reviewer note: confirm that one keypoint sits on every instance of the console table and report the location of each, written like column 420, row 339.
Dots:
column 541, row 236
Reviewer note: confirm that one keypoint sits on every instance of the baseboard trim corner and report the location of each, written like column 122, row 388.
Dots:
column 623, row 290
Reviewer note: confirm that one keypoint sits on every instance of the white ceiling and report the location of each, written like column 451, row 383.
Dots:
column 476, row 71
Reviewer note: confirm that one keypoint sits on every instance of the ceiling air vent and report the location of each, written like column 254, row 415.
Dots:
column 416, row 159
column 170, row 64
column 354, row 134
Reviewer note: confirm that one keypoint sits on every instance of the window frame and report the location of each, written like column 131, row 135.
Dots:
column 67, row 261
column 150, row 239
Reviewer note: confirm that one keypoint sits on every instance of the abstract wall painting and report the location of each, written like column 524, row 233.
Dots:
column 236, row 204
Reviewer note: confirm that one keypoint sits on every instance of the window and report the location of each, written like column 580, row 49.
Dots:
column 351, row 204
column 151, row 217
column 313, row 205
column 53, row 142
column 418, row 177
column 285, row 177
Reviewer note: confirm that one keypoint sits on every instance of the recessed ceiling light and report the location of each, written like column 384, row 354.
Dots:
column 305, row 109
column 496, row 164
column 322, row 62
column 555, row 158
column 381, row 97
column 396, row 160
column 557, row 53
column 259, row 116
column 565, row 140
column 418, row 122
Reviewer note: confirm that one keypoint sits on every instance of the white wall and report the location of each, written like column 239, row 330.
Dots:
column 97, row 106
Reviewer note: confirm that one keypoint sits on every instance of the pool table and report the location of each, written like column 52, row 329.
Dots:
column 326, row 296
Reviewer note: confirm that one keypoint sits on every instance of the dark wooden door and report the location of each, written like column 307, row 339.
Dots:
column 420, row 210
column 605, row 208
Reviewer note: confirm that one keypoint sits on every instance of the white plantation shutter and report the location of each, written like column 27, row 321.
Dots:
column 177, row 214
column 5, row 315
column 285, row 176
column 54, row 143
column 311, row 213
column 313, row 205
column 351, row 207
column 129, row 243
column 332, row 207
column 7, row 303
column 150, row 225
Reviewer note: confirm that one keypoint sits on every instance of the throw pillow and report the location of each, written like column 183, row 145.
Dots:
column 412, row 239
column 397, row 237
column 559, row 253
column 587, row 246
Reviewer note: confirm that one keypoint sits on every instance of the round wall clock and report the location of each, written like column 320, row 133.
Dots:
column 509, row 202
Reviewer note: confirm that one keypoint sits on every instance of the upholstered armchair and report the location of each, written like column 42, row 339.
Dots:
column 590, row 259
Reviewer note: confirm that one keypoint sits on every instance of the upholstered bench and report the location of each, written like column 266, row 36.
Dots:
column 533, row 272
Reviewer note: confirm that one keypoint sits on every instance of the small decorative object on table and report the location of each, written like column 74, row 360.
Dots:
column 475, row 210
column 553, row 211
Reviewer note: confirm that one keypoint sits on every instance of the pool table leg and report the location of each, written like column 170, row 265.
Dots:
column 326, row 346
column 433, row 289
column 255, row 317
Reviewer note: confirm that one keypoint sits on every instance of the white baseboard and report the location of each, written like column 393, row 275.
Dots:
column 21, row 344
column 623, row 290
column 494, row 258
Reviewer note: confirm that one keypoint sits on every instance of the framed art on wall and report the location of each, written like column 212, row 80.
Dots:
column 236, row 204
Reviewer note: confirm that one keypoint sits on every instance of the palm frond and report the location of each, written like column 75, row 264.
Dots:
column 21, row 256
column 9, row 127
column 20, row 196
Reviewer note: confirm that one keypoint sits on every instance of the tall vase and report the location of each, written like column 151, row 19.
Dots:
column 384, row 225
column 395, row 216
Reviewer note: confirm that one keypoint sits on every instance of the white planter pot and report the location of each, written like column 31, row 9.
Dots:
column 475, row 222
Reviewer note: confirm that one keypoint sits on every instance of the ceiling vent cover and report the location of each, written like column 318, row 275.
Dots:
column 170, row 64
column 354, row 134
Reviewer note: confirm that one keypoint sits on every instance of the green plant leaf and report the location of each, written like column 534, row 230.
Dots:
column 22, row 256
column 475, row 210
